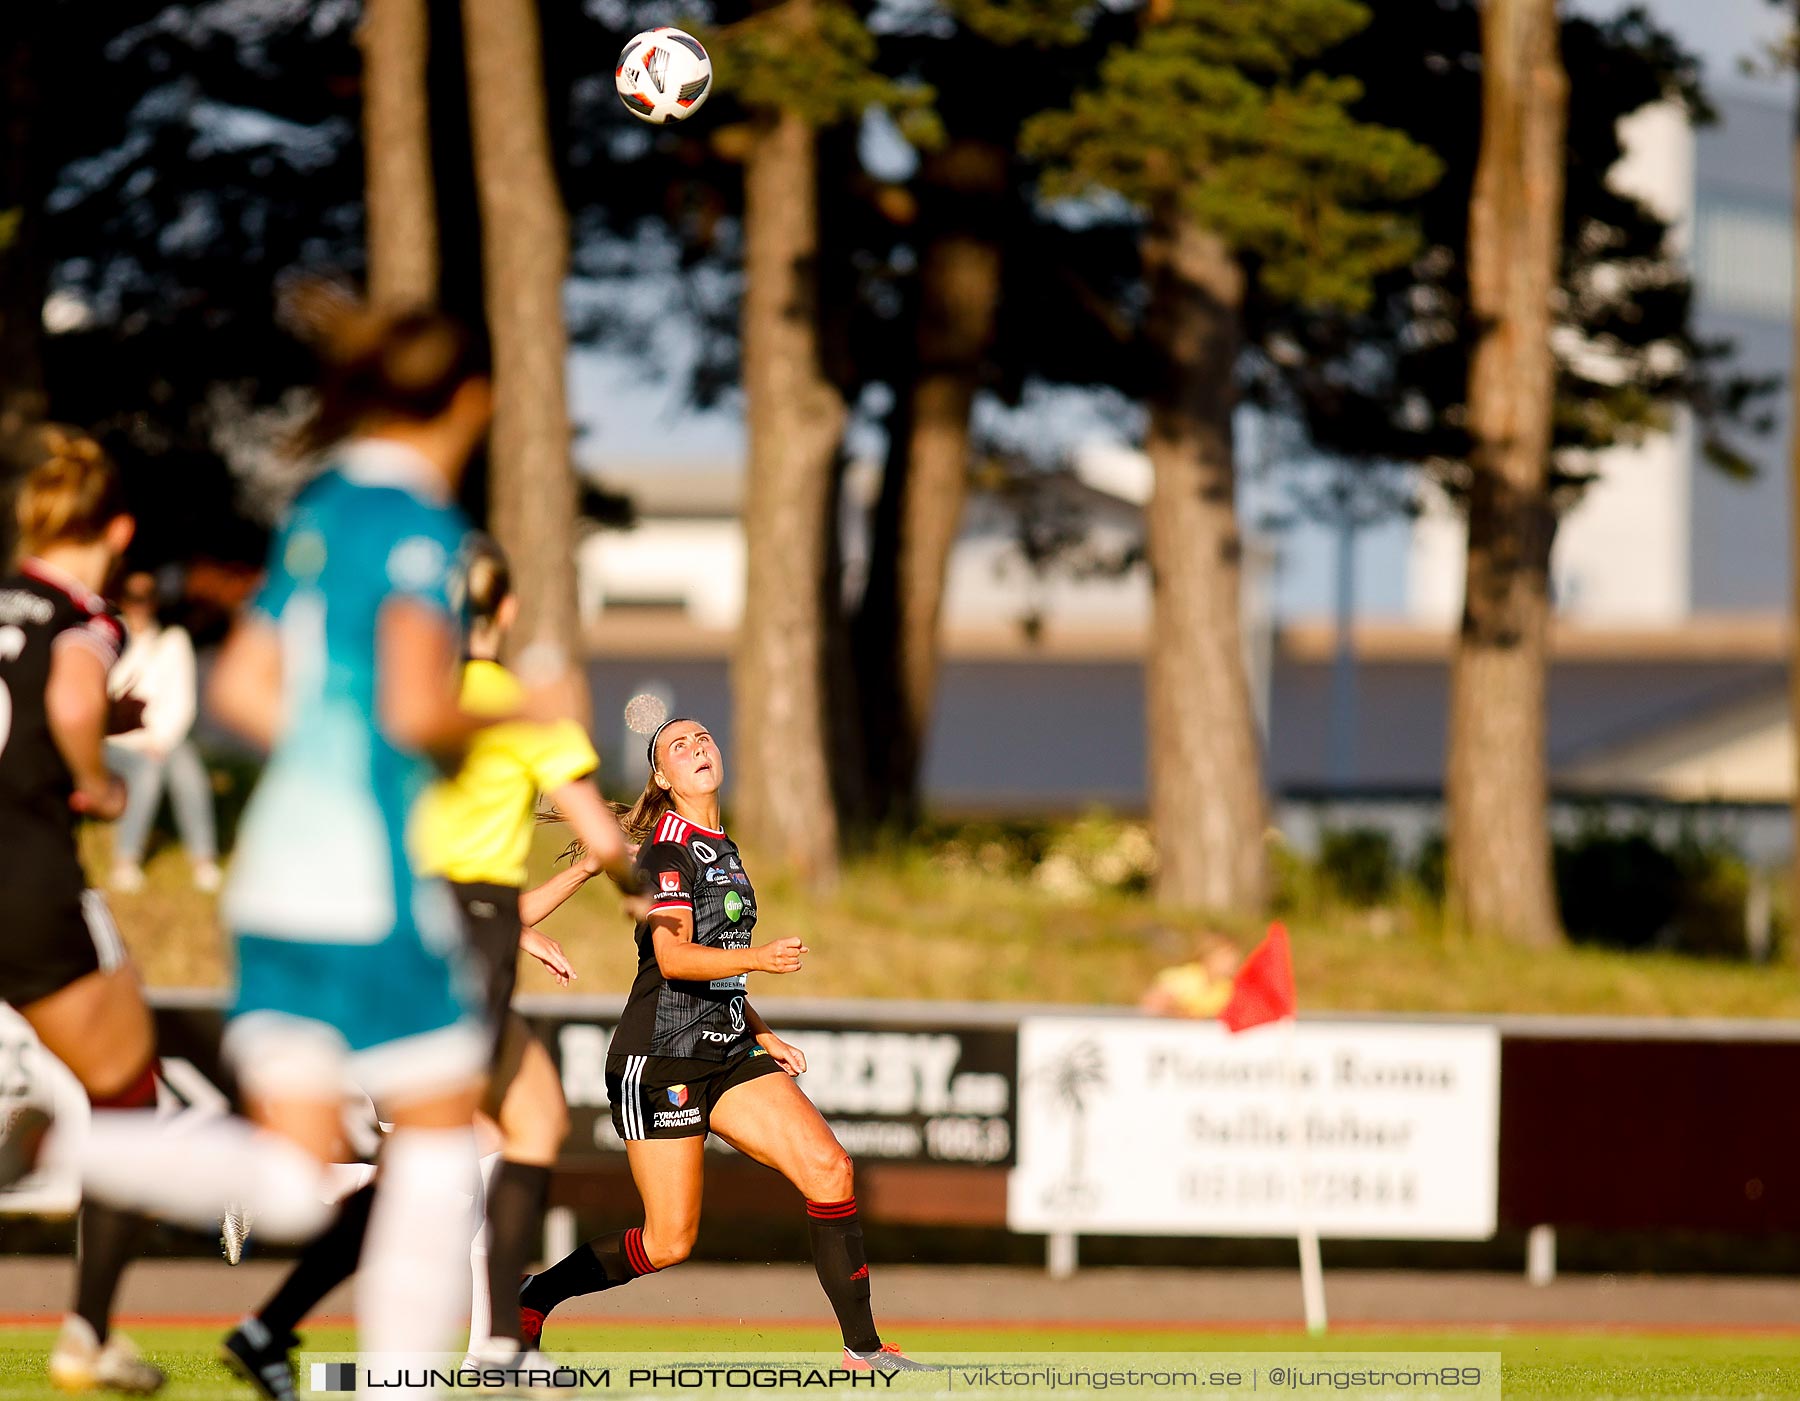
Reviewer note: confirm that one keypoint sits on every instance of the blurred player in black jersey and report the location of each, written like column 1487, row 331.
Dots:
column 691, row 1056
column 62, row 964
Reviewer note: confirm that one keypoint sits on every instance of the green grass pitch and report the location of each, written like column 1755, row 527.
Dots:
column 1537, row 1366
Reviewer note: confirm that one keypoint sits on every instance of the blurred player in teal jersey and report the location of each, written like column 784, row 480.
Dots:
column 350, row 967
column 348, row 665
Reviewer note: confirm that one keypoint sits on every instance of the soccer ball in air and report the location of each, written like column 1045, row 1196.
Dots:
column 664, row 75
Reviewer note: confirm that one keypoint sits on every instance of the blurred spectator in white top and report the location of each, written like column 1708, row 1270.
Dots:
column 157, row 668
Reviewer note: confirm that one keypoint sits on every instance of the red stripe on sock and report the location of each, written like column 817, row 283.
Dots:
column 634, row 1252
column 831, row 1211
column 139, row 1094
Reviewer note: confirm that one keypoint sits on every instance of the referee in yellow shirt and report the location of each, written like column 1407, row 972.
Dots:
column 475, row 831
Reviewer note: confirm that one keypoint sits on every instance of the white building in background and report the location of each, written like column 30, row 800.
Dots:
column 683, row 557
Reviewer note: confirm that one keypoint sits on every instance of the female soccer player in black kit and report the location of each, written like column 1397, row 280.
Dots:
column 62, row 964
column 691, row 1056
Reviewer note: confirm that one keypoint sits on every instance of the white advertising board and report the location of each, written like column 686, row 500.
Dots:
column 1154, row 1127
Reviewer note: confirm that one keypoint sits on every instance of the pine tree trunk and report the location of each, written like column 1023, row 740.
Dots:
column 782, row 803
column 873, row 643
column 1496, row 781
column 1206, row 796
column 399, row 192
column 959, row 295
column 524, row 259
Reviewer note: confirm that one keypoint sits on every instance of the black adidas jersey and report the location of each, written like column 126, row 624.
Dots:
column 41, row 610
column 698, row 870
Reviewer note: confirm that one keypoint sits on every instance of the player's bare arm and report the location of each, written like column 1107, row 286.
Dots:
column 682, row 960
column 787, row 1055
column 76, row 706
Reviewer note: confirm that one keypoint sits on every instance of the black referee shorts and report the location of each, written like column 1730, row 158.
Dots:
column 491, row 925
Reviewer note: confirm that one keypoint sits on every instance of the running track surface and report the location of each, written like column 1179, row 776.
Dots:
column 37, row 1289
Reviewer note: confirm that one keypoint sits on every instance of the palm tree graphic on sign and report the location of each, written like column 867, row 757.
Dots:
column 1068, row 1084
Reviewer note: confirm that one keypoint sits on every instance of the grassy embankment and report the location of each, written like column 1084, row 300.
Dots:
column 964, row 921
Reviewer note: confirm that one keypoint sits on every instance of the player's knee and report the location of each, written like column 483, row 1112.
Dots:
column 833, row 1177
column 132, row 1090
column 670, row 1245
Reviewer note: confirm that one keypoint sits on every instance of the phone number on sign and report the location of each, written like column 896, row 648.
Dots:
column 1225, row 1186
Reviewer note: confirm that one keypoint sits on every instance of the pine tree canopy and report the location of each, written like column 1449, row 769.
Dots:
column 1210, row 109
column 814, row 58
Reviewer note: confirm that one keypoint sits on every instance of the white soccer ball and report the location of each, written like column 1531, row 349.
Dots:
column 664, row 75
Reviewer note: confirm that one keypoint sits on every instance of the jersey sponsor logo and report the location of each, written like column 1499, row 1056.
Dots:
column 304, row 557
column 669, row 882
column 740, row 878
column 737, row 1014
column 718, row 1037
column 734, row 906
column 675, row 1118
column 732, row 862
column 678, row 1095
column 714, row 876
column 703, row 851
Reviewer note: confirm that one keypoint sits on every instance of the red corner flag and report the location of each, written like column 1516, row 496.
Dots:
column 1263, row 990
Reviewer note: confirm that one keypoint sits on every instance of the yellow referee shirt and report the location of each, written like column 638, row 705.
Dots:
column 476, row 826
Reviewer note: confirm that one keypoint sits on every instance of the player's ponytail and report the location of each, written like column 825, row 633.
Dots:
column 638, row 820
column 487, row 585
column 489, row 579
column 72, row 493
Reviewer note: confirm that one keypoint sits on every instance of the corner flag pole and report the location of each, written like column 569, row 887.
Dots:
column 1312, row 1272
column 1263, row 992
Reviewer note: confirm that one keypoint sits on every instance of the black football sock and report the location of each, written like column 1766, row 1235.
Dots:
column 110, row 1240
column 328, row 1260
column 843, row 1266
column 603, row 1263
column 515, row 1214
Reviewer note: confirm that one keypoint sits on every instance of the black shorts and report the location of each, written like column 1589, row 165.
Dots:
column 659, row 1097
column 491, row 922
column 50, row 940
